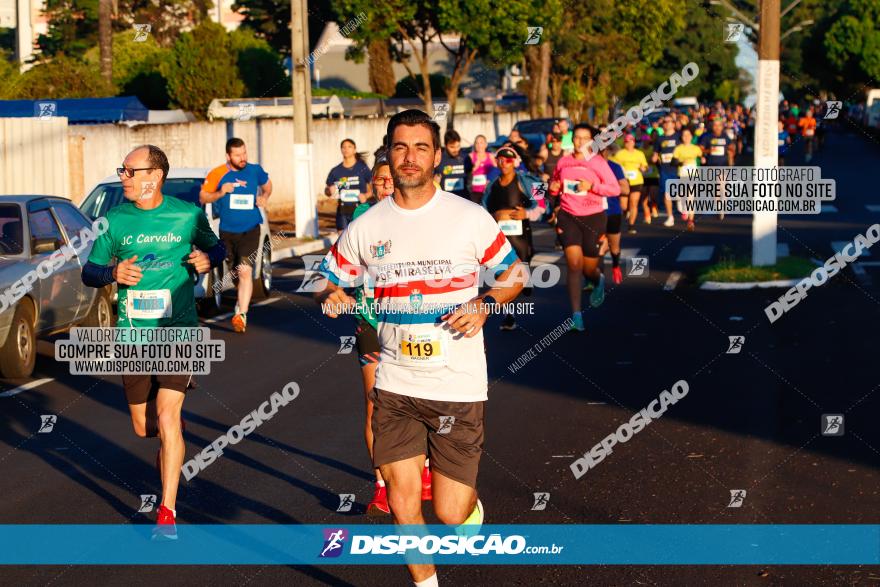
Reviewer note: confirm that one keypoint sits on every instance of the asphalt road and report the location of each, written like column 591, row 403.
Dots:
column 750, row 421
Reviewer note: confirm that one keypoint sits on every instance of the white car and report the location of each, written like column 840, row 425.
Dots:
column 184, row 183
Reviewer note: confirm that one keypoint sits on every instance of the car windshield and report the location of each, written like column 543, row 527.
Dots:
column 108, row 195
column 11, row 234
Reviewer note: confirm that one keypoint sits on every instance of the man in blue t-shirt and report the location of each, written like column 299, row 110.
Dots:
column 239, row 189
column 454, row 172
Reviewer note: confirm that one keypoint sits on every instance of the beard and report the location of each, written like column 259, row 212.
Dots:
column 240, row 166
column 409, row 181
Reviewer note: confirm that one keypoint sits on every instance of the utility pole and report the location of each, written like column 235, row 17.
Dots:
column 766, row 131
column 305, row 202
column 105, row 39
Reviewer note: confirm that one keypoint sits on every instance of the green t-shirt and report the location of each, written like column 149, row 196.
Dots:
column 360, row 296
column 162, row 239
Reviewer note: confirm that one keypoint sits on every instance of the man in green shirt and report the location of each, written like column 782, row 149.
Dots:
column 151, row 237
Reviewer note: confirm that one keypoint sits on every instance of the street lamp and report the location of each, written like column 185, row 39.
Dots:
column 798, row 27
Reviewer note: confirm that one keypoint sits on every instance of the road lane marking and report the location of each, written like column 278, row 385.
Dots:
column 873, row 207
column 26, row 386
column 826, row 208
column 696, row 253
column 230, row 314
column 546, row 258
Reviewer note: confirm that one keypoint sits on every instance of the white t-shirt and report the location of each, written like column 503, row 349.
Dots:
column 421, row 264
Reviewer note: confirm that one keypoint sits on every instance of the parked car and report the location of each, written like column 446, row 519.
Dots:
column 185, row 183
column 31, row 229
column 535, row 131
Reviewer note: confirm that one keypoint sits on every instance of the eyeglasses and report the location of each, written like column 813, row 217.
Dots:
column 129, row 172
column 383, row 179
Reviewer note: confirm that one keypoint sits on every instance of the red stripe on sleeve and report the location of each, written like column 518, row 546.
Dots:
column 494, row 248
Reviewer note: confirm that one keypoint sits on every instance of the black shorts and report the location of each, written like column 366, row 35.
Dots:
column 140, row 389
column 449, row 433
column 612, row 226
column 581, row 231
column 367, row 341
column 241, row 247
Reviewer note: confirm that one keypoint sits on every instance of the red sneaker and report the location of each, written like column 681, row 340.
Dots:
column 166, row 528
column 379, row 505
column 426, row 484
column 616, row 275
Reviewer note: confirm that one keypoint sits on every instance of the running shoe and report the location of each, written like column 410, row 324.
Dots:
column 471, row 526
column 239, row 322
column 684, row 216
column 647, row 219
column 598, row 294
column 379, row 505
column 166, row 528
column 577, row 323
column 655, row 213
column 426, row 484
column 509, row 323
column 632, row 230
column 616, row 275
column 670, row 220
column 690, row 226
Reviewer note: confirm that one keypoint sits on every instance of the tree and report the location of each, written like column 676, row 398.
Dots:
column 381, row 71
column 62, row 77
column 167, row 18
column 259, row 66
column 72, row 27
column 202, row 66
column 604, row 47
column 700, row 42
column 105, row 38
column 137, row 68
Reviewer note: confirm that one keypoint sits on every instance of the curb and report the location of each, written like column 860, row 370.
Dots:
column 720, row 285
column 305, row 248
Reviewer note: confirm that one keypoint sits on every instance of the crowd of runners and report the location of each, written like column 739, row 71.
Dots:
column 426, row 209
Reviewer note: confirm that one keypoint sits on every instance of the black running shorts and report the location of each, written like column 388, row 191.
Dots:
column 581, row 231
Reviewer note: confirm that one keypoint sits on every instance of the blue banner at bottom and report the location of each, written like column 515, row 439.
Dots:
column 243, row 544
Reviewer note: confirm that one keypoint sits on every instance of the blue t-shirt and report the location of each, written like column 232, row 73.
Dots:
column 783, row 142
column 614, row 203
column 238, row 210
column 716, row 154
column 455, row 173
column 350, row 182
column 664, row 146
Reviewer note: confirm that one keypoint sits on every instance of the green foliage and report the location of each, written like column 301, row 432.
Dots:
column 408, row 87
column 73, row 27
column 63, row 77
column 260, row 67
column 853, row 39
column 202, row 66
column 344, row 93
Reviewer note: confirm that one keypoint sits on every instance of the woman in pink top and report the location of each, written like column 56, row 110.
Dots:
column 483, row 162
column 584, row 181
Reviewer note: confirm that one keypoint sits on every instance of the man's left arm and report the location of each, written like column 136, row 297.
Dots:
column 211, row 250
column 265, row 188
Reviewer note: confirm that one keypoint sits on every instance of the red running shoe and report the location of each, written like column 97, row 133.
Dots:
column 426, row 484
column 379, row 505
column 166, row 528
column 616, row 275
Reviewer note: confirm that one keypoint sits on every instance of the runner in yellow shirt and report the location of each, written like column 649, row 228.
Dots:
column 634, row 164
column 687, row 156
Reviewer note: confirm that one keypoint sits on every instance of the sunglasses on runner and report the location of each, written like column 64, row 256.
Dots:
column 129, row 172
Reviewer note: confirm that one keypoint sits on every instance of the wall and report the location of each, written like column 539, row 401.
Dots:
column 37, row 151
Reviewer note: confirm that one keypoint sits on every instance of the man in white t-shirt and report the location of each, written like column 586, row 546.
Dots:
column 421, row 252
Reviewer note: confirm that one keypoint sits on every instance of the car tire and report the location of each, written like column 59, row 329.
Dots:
column 263, row 280
column 211, row 304
column 101, row 313
column 19, row 353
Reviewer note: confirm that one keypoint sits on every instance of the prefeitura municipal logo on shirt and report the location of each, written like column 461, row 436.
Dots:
column 380, row 249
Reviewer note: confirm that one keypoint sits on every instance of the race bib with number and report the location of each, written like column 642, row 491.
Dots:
column 809, row 132
column 149, row 303
column 717, row 151
column 349, row 196
column 241, row 201
column 427, row 348
column 451, row 184
column 511, row 227
column 570, row 186
column 631, row 174
column 665, row 157
column 479, row 179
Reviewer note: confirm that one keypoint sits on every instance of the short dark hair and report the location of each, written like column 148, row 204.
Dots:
column 583, row 126
column 157, row 159
column 414, row 117
column 233, row 143
column 451, row 136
